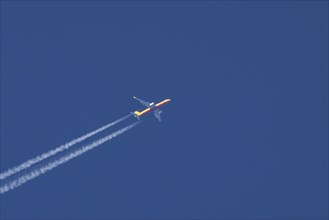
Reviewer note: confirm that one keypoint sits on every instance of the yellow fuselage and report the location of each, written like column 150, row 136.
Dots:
column 150, row 109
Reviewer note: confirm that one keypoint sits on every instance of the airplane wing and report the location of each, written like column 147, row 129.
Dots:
column 157, row 114
column 147, row 104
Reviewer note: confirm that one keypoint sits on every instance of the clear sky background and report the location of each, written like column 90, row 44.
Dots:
column 246, row 133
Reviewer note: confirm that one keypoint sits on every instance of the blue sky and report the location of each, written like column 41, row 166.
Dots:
column 246, row 133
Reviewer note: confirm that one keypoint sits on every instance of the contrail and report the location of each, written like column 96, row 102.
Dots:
column 51, row 165
column 61, row 148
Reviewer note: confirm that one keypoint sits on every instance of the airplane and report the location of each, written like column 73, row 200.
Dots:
column 151, row 107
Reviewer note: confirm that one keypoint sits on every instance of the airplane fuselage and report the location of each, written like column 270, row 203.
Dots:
column 151, row 108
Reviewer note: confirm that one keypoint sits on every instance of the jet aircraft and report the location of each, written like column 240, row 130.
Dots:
column 151, row 107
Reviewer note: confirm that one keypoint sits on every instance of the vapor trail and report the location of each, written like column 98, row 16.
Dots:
column 51, row 165
column 61, row 148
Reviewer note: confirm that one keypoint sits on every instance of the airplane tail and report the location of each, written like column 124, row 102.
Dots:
column 136, row 114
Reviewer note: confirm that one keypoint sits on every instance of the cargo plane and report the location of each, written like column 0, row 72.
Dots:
column 151, row 107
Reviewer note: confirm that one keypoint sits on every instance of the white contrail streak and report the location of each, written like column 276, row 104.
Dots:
column 51, row 165
column 61, row 148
